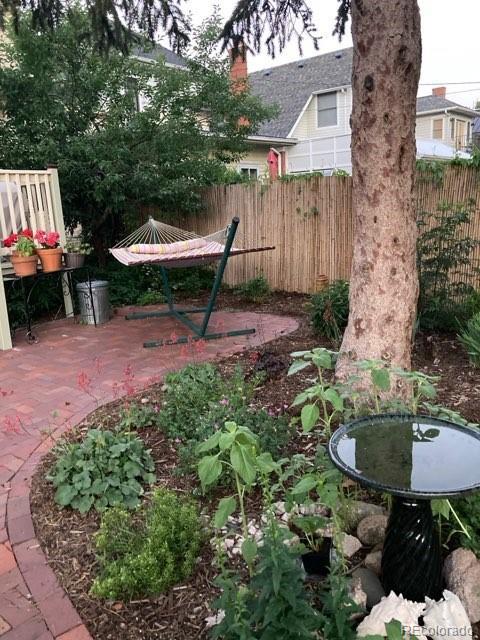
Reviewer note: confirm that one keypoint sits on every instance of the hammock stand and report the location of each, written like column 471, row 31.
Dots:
column 220, row 252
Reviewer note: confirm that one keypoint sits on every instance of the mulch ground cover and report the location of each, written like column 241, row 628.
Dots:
column 67, row 536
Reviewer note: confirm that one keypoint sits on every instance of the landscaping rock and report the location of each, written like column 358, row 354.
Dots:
column 462, row 577
column 373, row 561
column 350, row 545
column 371, row 585
column 371, row 530
column 357, row 594
column 358, row 510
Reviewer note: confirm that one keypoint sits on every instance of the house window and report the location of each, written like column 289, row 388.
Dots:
column 249, row 172
column 452, row 128
column 327, row 109
column 438, row 128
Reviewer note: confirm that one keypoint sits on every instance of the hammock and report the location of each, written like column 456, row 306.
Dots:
column 160, row 243
column 166, row 246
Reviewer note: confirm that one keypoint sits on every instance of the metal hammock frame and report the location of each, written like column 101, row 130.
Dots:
column 154, row 232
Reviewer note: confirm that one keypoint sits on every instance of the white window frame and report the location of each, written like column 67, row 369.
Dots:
column 328, row 126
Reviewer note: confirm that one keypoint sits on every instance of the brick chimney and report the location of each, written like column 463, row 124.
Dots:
column 238, row 68
column 440, row 92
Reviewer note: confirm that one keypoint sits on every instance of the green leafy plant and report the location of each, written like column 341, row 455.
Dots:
column 150, row 297
column 470, row 339
column 190, row 393
column 137, row 416
column 254, row 290
column 105, row 469
column 78, row 245
column 273, row 431
column 337, row 607
column 468, row 511
column 237, row 451
column 275, row 604
column 323, row 401
column 145, row 553
column 330, row 310
column 445, row 264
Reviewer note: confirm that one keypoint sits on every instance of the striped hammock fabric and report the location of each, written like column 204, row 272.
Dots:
column 173, row 247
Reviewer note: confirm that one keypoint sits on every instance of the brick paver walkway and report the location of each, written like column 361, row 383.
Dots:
column 49, row 386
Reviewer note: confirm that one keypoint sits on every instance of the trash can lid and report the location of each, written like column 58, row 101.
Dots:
column 95, row 284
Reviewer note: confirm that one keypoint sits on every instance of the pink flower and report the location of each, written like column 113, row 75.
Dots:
column 47, row 240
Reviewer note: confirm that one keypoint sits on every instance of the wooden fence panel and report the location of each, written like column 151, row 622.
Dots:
column 310, row 223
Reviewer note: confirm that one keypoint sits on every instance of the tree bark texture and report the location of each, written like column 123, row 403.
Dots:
column 384, row 283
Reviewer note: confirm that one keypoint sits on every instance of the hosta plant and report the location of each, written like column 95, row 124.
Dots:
column 106, row 469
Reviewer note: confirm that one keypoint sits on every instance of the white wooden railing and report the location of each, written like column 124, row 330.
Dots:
column 28, row 200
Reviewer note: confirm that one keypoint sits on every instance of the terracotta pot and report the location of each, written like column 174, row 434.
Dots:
column 74, row 260
column 24, row 266
column 51, row 259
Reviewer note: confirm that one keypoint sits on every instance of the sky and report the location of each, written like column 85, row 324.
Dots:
column 450, row 34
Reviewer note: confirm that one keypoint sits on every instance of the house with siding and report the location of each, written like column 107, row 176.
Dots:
column 312, row 129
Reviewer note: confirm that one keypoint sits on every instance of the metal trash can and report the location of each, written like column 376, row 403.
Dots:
column 94, row 302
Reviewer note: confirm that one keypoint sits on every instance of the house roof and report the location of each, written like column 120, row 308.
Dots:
column 289, row 86
column 437, row 103
column 152, row 54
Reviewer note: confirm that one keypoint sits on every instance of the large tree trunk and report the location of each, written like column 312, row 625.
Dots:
column 384, row 283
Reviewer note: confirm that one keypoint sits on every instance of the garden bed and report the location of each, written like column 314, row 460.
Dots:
column 67, row 536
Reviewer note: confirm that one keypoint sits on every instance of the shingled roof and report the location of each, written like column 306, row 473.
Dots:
column 437, row 103
column 289, row 86
column 158, row 51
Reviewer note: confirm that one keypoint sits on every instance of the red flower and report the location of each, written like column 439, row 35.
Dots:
column 11, row 240
column 28, row 233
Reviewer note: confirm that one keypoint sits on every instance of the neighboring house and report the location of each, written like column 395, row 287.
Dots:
column 312, row 129
column 445, row 121
column 476, row 133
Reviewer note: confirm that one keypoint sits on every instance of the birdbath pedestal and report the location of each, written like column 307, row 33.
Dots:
column 415, row 459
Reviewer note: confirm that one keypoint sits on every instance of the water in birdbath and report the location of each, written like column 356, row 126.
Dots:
column 407, row 455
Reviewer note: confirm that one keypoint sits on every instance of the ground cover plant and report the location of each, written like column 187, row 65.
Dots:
column 106, row 469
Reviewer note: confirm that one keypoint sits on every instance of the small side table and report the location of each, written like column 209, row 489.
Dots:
column 64, row 276
column 415, row 459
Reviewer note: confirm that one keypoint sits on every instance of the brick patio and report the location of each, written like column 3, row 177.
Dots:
column 47, row 387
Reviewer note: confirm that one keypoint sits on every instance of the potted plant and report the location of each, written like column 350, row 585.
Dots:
column 75, row 252
column 50, row 253
column 24, row 257
column 316, row 559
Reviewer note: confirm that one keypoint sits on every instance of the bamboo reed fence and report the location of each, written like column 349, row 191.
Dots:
column 310, row 224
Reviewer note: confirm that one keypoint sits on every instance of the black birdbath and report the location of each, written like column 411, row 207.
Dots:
column 415, row 459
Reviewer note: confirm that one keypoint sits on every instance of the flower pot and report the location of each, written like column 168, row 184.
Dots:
column 24, row 265
column 74, row 260
column 51, row 259
column 317, row 562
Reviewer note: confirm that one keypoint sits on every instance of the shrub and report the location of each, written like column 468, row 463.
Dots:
column 190, row 393
column 106, row 469
column 145, row 555
column 254, row 290
column 330, row 310
column 470, row 339
column 445, row 264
